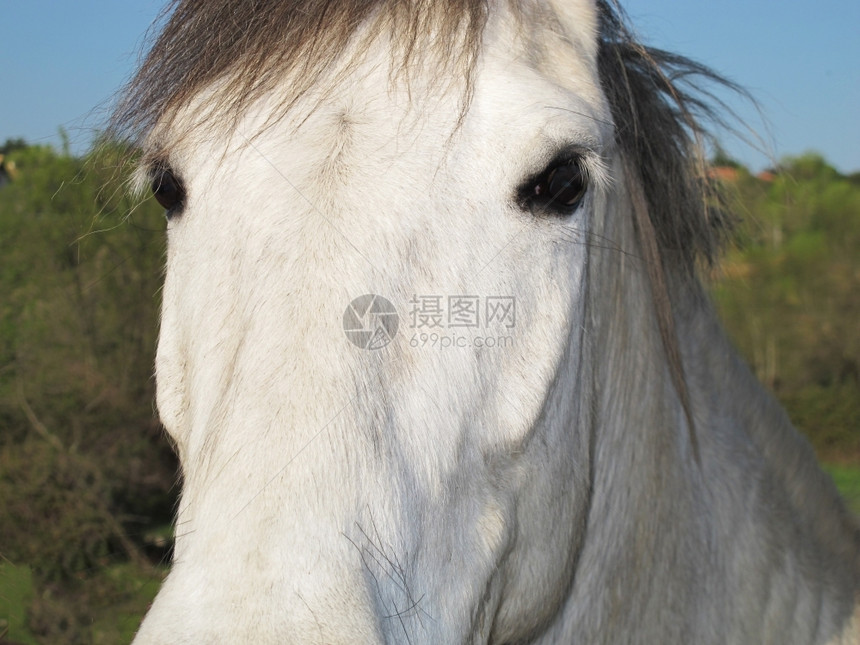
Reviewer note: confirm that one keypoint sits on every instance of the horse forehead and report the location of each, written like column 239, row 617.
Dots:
column 521, row 72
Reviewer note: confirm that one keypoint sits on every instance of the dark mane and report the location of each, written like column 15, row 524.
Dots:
column 659, row 103
column 659, row 106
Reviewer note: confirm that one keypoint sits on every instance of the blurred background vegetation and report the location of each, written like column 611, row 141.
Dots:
column 788, row 291
column 88, row 481
column 86, row 477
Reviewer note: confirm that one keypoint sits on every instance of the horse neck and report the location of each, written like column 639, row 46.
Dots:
column 749, row 539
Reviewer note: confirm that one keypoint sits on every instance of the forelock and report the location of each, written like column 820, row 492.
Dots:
column 240, row 51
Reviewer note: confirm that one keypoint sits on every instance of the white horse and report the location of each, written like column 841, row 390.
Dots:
column 535, row 431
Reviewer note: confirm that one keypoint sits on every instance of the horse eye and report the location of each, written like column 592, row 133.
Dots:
column 558, row 189
column 168, row 190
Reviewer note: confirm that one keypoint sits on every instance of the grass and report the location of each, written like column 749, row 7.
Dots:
column 117, row 598
column 118, row 621
column 16, row 591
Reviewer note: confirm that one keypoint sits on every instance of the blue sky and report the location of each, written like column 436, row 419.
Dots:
column 62, row 62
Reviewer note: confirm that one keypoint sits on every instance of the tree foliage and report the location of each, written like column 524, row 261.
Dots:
column 83, row 466
column 789, row 293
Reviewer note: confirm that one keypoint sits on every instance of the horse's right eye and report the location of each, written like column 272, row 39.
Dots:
column 168, row 190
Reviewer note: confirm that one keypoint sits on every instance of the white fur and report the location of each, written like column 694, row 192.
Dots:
column 412, row 494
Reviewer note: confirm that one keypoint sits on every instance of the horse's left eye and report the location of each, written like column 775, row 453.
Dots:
column 168, row 190
column 559, row 189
